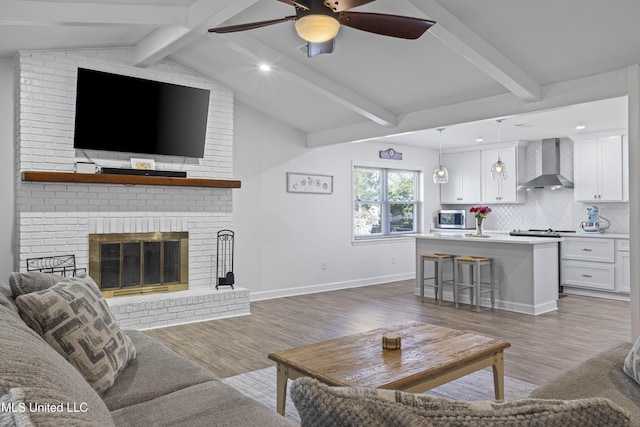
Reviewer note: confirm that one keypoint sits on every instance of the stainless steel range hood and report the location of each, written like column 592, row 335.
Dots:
column 550, row 178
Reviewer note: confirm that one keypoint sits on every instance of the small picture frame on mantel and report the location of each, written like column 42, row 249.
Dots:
column 309, row 183
column 146, row 164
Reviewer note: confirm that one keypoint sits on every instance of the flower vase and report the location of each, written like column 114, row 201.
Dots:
column 479, row 229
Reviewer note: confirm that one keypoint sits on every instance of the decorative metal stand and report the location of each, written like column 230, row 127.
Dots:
column 64, row 265
column 224, row 259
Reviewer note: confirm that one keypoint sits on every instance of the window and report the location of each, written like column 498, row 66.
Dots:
column 385, row 202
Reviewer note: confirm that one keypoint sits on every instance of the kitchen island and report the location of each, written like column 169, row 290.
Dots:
column 526, row 268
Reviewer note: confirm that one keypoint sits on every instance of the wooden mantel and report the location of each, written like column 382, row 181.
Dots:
column 90, row 178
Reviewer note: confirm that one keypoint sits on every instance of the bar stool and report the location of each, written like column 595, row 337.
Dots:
column 476, row 285
column 438, row 277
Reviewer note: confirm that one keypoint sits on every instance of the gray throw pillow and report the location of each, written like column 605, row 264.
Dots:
column 6, row 297
column 321, row 405
column 44, row 376
column 14, row 411
column 74, row 318
column 25, row 283
column 631, row 365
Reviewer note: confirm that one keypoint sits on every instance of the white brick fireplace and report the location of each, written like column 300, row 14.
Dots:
column 57, row 218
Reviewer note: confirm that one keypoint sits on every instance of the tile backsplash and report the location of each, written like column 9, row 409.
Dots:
column 552, row 209
column 557, row 210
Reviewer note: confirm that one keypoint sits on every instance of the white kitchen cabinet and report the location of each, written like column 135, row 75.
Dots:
column 589, row 249
column 623, row 268
column 588, row 274
column 588, row 263
column 596, row 264
column 598, row 170
column 501, row 191
column 464, row 178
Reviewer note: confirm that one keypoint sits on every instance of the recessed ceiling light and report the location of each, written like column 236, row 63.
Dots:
column 265, row 67
column 581, row 127
column 479, row 139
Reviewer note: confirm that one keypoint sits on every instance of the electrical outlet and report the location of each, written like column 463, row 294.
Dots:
column 324, row 265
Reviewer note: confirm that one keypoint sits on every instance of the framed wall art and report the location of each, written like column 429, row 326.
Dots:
column 309, row 183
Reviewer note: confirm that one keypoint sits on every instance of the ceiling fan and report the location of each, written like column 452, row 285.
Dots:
column 318, row 22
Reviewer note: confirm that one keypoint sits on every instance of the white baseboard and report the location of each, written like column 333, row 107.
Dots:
column 289, row 292
column 597, row 294
column 533, row 310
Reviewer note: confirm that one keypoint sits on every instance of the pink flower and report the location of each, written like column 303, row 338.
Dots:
column 480, row 211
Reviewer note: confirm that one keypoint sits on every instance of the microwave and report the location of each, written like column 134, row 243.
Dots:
column 454, row 219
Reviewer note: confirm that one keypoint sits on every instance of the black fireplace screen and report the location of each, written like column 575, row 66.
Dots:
column 139, row 263
column 224, row 259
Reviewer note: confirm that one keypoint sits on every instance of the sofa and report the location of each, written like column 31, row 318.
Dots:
column 595, row 393
column 157, row 387
column 600, row 376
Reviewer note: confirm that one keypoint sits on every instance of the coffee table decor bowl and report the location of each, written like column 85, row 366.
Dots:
column 391, row 341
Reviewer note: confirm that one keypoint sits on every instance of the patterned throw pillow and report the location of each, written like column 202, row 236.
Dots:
column 74, row 318
column 631, row 365
column 322, row 406
column 25, row 283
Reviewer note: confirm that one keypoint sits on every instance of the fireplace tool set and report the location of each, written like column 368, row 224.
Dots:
column 224, row 259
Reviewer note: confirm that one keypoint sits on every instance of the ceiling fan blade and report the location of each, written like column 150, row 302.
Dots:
column 297, row 4
column 403, row 27
column 250, row 26
column 340, row 5
column 314, row 49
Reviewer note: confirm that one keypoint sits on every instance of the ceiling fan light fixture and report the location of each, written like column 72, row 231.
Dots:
column 316, row 28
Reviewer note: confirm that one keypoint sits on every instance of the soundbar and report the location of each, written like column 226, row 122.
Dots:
column 146, row 172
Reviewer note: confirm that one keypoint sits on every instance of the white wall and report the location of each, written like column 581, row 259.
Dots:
column 282, row 238
column 7, row 213
column 633, row 82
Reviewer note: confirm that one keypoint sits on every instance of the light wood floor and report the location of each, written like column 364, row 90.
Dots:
column 541, row 346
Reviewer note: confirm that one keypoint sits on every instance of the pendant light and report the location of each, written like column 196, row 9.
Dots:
column 499, row 169
column 440, row 174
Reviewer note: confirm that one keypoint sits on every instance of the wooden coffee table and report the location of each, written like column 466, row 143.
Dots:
column 430, row 356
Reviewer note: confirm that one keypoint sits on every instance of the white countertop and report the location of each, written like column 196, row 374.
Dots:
column 604, row 235
column 579, row 234
column 468, row 236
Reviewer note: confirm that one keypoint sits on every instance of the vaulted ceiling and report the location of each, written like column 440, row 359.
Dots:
column 482, row 60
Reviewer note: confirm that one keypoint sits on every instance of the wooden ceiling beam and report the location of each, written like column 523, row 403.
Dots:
column 324, row 86
column 459, row 37
column 16, row 12
column 201, row 15
column 588, row 89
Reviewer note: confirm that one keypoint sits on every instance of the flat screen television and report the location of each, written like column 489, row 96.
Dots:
column 134, row 115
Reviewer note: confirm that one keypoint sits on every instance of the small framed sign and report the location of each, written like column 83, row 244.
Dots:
column 309, row 183
column 147, row 164
column 390, row 153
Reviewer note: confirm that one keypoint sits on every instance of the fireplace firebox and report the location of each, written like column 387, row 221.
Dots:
column 124, row 264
